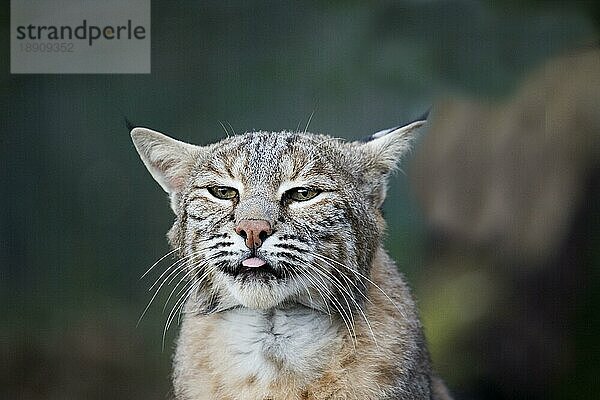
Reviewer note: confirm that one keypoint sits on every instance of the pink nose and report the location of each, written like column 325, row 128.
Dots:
column 255, row 231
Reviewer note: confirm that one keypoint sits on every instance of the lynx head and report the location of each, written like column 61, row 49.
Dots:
column 264, row 219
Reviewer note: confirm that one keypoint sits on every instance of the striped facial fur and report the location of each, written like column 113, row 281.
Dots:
column 268, row 219
column 285, row 289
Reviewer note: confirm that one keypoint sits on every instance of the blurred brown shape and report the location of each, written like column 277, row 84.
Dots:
column 509, row 191
column 509, row 175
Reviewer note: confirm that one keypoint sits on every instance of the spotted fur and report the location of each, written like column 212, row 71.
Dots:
column 332, row 318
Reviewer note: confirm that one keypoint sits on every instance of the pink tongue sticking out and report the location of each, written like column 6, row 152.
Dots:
column 253, row 262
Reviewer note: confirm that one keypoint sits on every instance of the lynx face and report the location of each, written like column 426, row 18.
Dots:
column 264, row 219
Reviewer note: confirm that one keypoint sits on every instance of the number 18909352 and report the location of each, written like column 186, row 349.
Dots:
column 64, row 47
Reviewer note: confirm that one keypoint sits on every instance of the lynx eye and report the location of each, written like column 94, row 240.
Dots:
column 302, row 194
column 223, row 192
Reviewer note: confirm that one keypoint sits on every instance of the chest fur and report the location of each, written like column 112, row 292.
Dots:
column 248, row 354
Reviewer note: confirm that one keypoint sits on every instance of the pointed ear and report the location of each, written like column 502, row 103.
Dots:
column 168, row 160
column 379, row 154
column 385, row 149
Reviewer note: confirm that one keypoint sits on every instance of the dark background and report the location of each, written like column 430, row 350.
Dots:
column 81, row 219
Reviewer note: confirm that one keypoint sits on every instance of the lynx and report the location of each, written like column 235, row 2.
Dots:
column 290, row 294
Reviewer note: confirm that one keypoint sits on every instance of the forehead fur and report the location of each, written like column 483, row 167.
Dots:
column 261, row 157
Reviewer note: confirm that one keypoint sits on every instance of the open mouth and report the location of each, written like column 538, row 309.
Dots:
column 255, row 268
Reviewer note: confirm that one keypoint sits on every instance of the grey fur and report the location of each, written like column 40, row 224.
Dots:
column 332, row 245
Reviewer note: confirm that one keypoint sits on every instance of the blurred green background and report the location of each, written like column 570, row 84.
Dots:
column 81, row 219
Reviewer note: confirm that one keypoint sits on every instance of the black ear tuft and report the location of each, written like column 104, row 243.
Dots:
column 377, row 134
column 384, row 132
column 129, row 124
column 422, row 117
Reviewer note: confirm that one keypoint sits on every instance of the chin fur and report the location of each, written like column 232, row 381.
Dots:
column 259, row 294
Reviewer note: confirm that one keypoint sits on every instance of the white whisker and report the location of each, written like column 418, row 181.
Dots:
column 159, row 260
column 326, row 259
column 341, row 311
column 358, row 307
